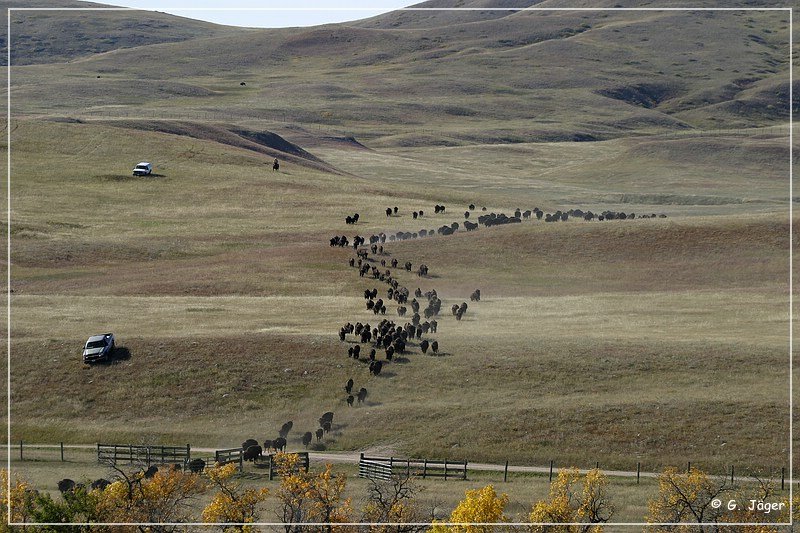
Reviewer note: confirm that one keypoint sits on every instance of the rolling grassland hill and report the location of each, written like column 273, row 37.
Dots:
column 656, row 340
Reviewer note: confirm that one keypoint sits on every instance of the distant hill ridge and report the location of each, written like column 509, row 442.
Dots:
column 493, row 74
column 58, row 36
column 267, row 143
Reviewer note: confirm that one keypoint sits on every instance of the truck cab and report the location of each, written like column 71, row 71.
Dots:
column 142, row 169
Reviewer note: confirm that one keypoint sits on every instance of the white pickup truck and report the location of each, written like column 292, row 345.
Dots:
column 98, row 348
column 142, row 169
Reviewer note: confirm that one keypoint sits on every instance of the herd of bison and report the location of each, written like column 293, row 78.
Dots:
column 387, row 341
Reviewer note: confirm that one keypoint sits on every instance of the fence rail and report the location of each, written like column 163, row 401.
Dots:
column 147, row 454
column 230, row 455
column 374, row 470
column 423, row 468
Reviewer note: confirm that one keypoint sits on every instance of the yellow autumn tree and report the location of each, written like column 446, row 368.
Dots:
column 326, row 496
column 20, row 498
column 687, row 497
column 232, row 504
column 308, row 497
column 480, row 506
column 584, row 503
column 165, row 497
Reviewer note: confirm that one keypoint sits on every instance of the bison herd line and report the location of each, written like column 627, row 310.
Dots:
column 387, row 341
column 487, row 220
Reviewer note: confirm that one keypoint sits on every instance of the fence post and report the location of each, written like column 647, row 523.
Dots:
column 638, row 471
column 148, row 456
column 731, row 474
column 62, row 452
column 408, row 467
column 465, row 469
column 551, row 471
column 130, row 453
column 424, row 468
column 20, row 450
column 689, row 468
column 241, row 462
column 270, row 465
column 505, row 472
column 783, row 476
column 597, row 465
column 445, row 469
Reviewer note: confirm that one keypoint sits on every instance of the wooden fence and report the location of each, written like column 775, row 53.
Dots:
column 230, row 455
column 374, row 469
column 143, row 454
column 383, row 468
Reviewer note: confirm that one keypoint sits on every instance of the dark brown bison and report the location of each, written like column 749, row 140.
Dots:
column 252, row 452
column 326, row 417
column 101, row 484
column 196, row 466
column 66, row 485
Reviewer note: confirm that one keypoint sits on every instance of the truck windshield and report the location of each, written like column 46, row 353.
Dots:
column 95, row 344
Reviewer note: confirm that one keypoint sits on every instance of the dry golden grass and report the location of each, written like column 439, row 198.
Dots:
column 658, row 341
